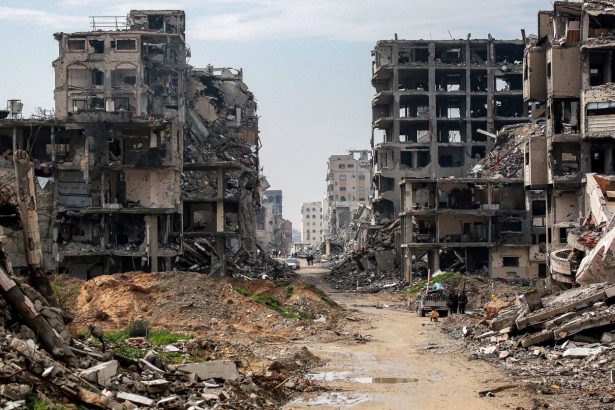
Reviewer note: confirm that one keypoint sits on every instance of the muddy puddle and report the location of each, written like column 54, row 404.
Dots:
column 334, row 376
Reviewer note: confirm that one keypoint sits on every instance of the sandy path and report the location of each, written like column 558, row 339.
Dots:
column 436, row 378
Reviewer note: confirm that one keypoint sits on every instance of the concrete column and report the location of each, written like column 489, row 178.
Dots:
column 433, row 122
column 151, row 222
column 395, row 88
column 608, row 160
column 490, row 88
column 408, row 255
column 468, row 113
column 220, row 201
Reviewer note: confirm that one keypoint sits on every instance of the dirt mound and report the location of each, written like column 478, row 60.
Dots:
column 192, row 302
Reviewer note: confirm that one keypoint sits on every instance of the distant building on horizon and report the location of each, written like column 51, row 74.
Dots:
column 311, row 223
column 348, row 186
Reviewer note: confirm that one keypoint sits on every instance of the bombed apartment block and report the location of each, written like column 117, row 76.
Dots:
column 478, row 226
column 348, row 187
column 437, row 104
column 568, row 79
column 148, row 164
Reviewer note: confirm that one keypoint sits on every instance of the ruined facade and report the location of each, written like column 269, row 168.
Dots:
column 149, row 163
column 270, row 222
column 348, row 186
column 568, row 76
column 436, row 105
column 311, row 223
column 475, row 225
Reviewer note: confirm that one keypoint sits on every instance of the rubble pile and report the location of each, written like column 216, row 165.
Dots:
column 562, row 343
column 505, row 160
column 372, row 267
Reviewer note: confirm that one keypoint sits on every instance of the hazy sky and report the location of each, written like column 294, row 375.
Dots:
column 307, row 61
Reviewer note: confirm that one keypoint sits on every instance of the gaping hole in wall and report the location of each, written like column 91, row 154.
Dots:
column 231, row 184
column 509, row 106
column 413, row 80
column 385, row 184
column 508, row 53
column 460, row 197
column 414, row 106
column 413, row 55
column 479, row 53
column 478, row 152
column 231, row 217
column 597, row 161
column 383, row 56
column 453, row 54
column 124, row 44
column 451, row 133
column 601, row 67
column 74, row 230
column 450, row 106
column 510, row 198
column 477, row 136
column 508, row 82
column 450, row 157
column 155, row 21
column 381, row 110
column 423, row 229
column 199, row 184
column 73, row 191
column 200, row 217
column 75, row 44
column 565, row 116
column 124, row 77
column 478, row 80
column 416, row 131
column 601, row 24
column 566, row 157
column 448, row 80
column 414, row 159
column 98, row 77
column 382, row 85
column 478, row 108
column 97, row 46
column 539, row 207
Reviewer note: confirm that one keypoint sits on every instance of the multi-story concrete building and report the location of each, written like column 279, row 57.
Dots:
column 136, row 168
column 435, row 106
column 348, row 186
column 476, row 225
column 311, row 223
column 271, row 221
column 568, row 75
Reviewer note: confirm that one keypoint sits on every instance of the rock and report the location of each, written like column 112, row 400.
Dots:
column 14, row 391
column 504, row 354
column 488, row 349
column 101, row 373
column 486, row 334
column 171, row 348
column 217, row 369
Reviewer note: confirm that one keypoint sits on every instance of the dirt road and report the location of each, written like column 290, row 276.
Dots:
column 406, row 365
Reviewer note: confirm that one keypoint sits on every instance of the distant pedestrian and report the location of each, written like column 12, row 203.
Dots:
column 463, row 301
column 452, row 302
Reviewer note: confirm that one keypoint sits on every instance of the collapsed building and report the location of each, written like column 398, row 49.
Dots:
column 436, row 104
column 568, row 77
column 148, row 164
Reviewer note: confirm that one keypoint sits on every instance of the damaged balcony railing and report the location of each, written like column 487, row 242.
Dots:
column 106, row 23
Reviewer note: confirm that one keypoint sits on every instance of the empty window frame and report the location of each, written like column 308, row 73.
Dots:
column 125, row 45
column 510, row 261
column 75, row 44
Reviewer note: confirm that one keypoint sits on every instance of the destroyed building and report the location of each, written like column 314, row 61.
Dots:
column 348, row 186
column 568, row 77
column 436, row 105
column 148, row 163
column 270, row 223
column 473, row 225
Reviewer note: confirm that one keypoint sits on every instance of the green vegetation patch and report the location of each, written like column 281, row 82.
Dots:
column 418, row 286
column 274, row 304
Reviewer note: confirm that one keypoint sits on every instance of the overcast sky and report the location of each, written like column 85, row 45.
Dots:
column 307, row 61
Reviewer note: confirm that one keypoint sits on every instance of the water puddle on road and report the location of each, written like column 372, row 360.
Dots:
column 333, row 376
column 384, row 380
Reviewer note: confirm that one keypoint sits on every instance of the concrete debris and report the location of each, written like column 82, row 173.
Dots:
column 216, row 369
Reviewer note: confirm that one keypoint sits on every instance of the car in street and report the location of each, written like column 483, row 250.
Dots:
column 293, row 263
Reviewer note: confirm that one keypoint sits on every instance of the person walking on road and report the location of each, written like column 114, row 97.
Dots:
column 452, row 302
column 463, row 301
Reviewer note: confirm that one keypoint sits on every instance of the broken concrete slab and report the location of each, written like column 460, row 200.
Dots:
column 537, row 338
column 101, row 373
column 585, row 322
column 215, row 369
column 156, row 386
column 569, row 301
column 169, row 402
column 581, row 352
column 135, row 398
